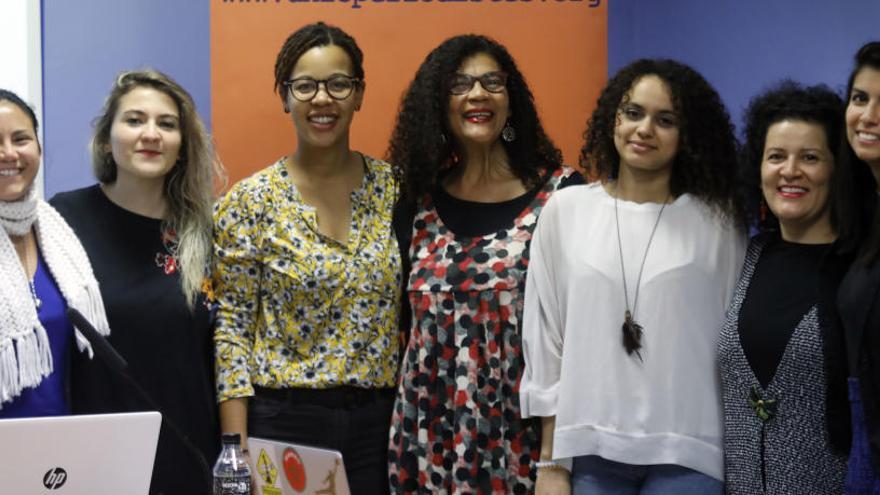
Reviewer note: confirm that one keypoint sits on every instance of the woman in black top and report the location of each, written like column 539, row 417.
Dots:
column 146, row 228
column 859, row 295
column 785, row 423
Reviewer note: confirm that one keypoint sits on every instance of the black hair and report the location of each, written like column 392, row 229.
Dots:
column 818, row 105
column 867, row 56
column 308, row 37
column 705, row 165
column 6, row 95
column 419, row 145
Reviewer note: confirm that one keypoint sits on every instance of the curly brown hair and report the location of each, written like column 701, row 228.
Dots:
column 419, row 147
column 705, row 165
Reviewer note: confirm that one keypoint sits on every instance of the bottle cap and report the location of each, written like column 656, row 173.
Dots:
column 231, row 438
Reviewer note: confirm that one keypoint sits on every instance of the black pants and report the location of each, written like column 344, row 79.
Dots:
column 351, row 420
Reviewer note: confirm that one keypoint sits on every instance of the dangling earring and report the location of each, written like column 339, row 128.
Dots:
column 508, row 133
column 443, row 139
column 762, row 212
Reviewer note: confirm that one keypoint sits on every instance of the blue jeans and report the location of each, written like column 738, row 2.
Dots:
column 593, row 475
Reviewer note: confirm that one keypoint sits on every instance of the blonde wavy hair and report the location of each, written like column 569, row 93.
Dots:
column 190, row 186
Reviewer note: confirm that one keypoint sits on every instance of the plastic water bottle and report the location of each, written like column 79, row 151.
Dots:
column 232, row 475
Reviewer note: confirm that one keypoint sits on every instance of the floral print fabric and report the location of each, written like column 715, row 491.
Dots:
column 456, row 426
column 299, row 309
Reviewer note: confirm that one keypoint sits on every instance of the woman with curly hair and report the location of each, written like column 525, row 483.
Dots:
column 478, row 169
column 308, row 274
column 626, row 292
column 146, row 227
column 859, row 295
column 780, row 351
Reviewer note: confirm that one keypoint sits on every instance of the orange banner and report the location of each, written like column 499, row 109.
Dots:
column 559, row 45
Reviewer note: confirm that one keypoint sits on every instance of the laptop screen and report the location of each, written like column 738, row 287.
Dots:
column 282, row 468
column 79, row 455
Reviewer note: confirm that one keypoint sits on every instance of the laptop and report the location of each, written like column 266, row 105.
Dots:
column 79, row 455
column 282, row 468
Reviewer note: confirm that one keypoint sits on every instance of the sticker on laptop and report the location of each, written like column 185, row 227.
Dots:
column 294, row 470
column 268, row 473
column 330, row 480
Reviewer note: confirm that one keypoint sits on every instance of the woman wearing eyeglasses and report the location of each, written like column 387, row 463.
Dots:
column 478, row 170
column 307, row 274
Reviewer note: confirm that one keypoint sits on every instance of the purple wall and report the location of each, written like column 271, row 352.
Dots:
column 85, row 44
column 742, row 47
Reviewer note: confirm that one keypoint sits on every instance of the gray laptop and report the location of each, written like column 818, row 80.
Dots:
column 79, row 455
column 290, row 469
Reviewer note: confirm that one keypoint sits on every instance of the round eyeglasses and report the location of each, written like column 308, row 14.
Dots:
column 339, row 87
column 493, row 82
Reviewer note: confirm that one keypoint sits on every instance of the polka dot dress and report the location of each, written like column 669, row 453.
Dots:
column 456, row 426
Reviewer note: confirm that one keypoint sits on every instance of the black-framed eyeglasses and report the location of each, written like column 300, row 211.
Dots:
column 339, row 87
column 493, row 82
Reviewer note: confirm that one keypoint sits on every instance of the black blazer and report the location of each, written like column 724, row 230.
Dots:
column 859, row 305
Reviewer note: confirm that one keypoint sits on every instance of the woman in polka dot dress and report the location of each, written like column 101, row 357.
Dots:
column 478, row 169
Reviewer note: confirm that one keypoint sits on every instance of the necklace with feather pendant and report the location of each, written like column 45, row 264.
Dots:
column 632, row 330
column 632, row 335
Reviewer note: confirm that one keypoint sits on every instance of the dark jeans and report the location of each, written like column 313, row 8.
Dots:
column 351, row 420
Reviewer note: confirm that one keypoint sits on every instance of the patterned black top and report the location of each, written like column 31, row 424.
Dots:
column 775, row 438
column 456, row 426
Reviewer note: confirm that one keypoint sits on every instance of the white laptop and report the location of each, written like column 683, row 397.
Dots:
column 79, row 455
column 290, row 469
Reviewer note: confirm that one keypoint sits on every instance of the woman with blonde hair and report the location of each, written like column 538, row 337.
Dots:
column 147, row 230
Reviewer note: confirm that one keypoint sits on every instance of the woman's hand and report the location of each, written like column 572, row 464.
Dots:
column 553, row 482
column 233, row 419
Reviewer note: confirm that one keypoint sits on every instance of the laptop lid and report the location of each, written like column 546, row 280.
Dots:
column 282, row 468
column 79, row 455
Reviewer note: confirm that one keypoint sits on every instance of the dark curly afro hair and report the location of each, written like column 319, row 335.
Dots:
column 705, row 165
column 419, row 147
column 818, row 105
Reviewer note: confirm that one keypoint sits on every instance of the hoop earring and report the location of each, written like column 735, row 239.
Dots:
column 508, row 133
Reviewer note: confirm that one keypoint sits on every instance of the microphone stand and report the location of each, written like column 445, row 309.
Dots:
column 118, row 364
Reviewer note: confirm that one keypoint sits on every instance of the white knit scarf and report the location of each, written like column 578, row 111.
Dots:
column 25, row 355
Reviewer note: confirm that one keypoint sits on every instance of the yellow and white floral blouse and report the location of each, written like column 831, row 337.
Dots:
column 299, row 309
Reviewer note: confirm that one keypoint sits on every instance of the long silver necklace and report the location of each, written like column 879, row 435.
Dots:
column 632, row 331
column 31, row 285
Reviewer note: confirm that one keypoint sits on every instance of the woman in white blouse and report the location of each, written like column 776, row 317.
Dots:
column 627, row 288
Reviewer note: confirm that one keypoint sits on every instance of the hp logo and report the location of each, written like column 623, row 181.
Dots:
column 54, row 478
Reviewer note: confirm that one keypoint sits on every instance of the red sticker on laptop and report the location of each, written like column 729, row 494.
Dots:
column 294, row 470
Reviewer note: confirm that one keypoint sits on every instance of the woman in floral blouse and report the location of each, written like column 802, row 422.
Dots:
column 307, row 274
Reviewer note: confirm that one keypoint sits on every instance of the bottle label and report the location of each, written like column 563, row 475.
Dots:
column 232, row 485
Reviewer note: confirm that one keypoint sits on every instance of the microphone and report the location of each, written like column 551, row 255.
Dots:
column 100, row 345
column 118, row 364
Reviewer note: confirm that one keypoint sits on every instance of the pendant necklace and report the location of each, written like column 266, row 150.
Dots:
column 632, row 331
column 30, row 281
